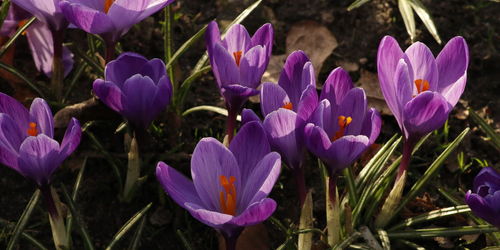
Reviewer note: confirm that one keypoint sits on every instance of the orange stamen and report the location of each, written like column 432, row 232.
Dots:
column 237, row 57
column 227, row 198
column 21, row 24
column 32, row 131
column 422, row 85
column 107, row 5
column 288, row 105
column 343, row 123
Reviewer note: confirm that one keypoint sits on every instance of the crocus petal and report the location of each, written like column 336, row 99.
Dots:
column 252, row 67
column 209, row 162
column 452, row 64
column 10, row 141
column 155, row 69
column 109, row 93
column 291, row 76
column 249, row 146
column 39, row 158
column 426, row 112
column 42, row 115
column 208, row 217
column 336, row 86
column 162, row 96
column 272, row 97
column 404, row 91
column 247, row 115
column 225, row 63
column 282, row 131
column 261, row 180
column 353, row 105
column 237, row 39
column 322, row 117
column 72, row 137
column 255, row 213
column 264, row 37
column 317, row 140
column 482, row 208
column 15, row 110
column 346, row 150
column 212, row 36
column 372, row 125
column 176, row 185
column 423, row 64
column 138, row 93
column 86, row 18
column 125, row 66
column 45, row 11
column 487, row 175
column 236, row 95
column 308, row 103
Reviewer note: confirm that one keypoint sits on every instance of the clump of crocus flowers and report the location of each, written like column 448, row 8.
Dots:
column 484, row 198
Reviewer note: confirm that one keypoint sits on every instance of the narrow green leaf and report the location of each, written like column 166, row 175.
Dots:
column 136, row 240
column 368, row 168
column 184, row 241
column 168, row 44
column 76, row 187
column 424, row 15
column 87, row 241
column 432, row 215
column 356, row 4
column 442, row 232
column 127, row 226
column 89, row 60
column 34, row 241
column 78, row 72
column 384, row 238
column 22, row 77
column 347, row 241
column 186, row 85
column 408, row 18
column 218, row 110
column 4, row 10
column 411, row 244
column 353, row 196
column 487, row 129
column 431, row 171
column 184, row 47
column 23, row 220
column 16, row 35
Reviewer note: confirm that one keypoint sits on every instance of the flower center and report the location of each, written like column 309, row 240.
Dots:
column 343, row 123
column 228, row 196
column 107, row 5
column 237, row 57
column 288, row 105
column 422, row 85
column 32, row 131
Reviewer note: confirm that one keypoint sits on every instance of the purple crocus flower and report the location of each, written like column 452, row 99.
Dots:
column 341, row 127
column 109, row 18
column 27, row 142
column 419, row 89
column 484, row 198
column 230, row 186
column 47, row 11
column 238, row 61
column 137, row 88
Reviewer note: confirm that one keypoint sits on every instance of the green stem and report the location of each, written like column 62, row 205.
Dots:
column 57, row 64
column 230, row 124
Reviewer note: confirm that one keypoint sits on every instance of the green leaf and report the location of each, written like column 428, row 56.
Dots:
column 87, row 241
column 127, row 226
column 384, row 238
column 432, row 215
column 22, row 77
column 218, row 110
column 88, row 59
column 184, row 47
column 16, row 35
column 408, row 18
column 136, row 240
column 442, row 232
column 356, row 4
column 4, row 10
column 184, row 241
column 424, row 15
column 487, row 129
column 76, row 187
column 78, row 72
column 23, row 220
column 353, row 196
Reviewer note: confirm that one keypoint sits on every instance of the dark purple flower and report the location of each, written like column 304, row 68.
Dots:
column 230, row 186
column 238, row 61
column 419, row 89
column 484, row 198
column 341, row 127
column 136, row 88
column 109, row 18
column 26, row 139
column 47, row 11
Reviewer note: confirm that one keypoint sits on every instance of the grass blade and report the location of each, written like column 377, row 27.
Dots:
column 184, row 47
column 4, row 10
column 185, row 242
column 186, row 85
column 16, row 35
column 218, row 110
column 127, row 226
column 23, row 220
column 356, row 4
column 487, row 129
column 69, row 224
column 442, row 232
column 78, row 72
column 21, row 76
column 79, row 222
column 424, row 15
column 432, row 215
column 136, row 240
column 408, row 18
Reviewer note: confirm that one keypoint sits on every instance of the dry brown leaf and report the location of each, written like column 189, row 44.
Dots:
column 369, row 82
column 252, row 237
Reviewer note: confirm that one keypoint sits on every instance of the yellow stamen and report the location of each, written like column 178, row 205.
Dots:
column 227, row 198
column 288, row 105
column 107, row 5
column 343, row 123
column 32, row 131
column 422, row 85
column 237, row 57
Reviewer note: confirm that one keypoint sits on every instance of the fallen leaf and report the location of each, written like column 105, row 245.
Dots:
column 369, row 82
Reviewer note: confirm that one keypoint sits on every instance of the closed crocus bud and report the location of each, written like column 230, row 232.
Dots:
column 484, row 198
column 137, row 88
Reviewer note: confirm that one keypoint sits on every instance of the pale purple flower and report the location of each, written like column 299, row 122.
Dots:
column 47, row 11
column 484, row 198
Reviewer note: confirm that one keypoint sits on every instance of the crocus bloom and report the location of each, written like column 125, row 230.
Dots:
column 136, row 88
column 484, row 198
column 27, row 142
column 47, row 11
column 419, row 89
column 230, row 186
column 341, row 127
column 109, row 18
column 39, row 39
column 238, row 61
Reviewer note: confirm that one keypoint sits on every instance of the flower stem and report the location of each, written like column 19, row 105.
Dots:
column 133, row 170
column 231, row 124
column 405, row 161
column 59, row 234
column 109, row 52
column 300, row 183
column 332, row 211
column 57, row 63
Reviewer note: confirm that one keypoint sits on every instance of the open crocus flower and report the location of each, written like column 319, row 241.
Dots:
column 230, row 186
column 27, row 142
column 238, row 61
column 47, row 11
column 484, row 198
column 419, row 89
column 341, row 127
column 109, row 18
column 137, row 88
